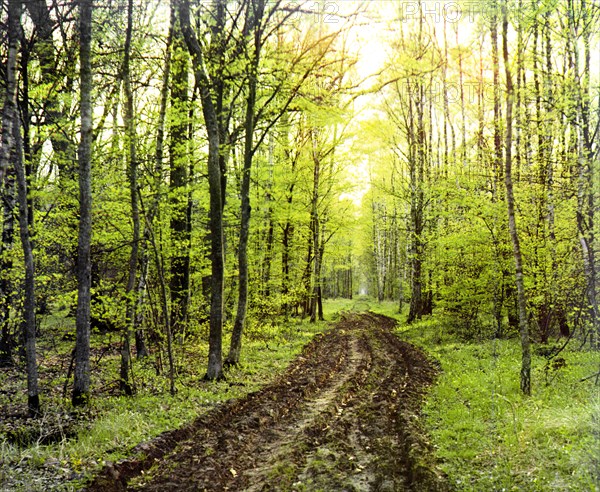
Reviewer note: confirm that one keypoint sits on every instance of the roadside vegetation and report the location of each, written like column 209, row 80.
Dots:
column 487, row 435
column 61, row 449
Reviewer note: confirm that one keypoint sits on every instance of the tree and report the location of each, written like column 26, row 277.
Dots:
column 29, row 307
column 132, row 168
column 512, row 223
column 11, row 149
column 215, row 182
column 7, row 147
column 81, row 384
column 254, row 29
column 178, row 183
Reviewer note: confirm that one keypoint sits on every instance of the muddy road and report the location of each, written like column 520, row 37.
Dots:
column 343, row 417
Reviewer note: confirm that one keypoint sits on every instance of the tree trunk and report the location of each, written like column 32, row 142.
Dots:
column 7, row 146
column 320, row 316
column 6, row 264
column 585, row 195
column 9, row 111
column 416, row 164
column 288, row 228
column 512, row 224
column 215, row 184
column 255, row 13
column 140, row 344
column 81, row 384
column 235, row 346
column 178, row 181
column 130, row 140
column 33, row 398
column 12, row 146
column 315, row 231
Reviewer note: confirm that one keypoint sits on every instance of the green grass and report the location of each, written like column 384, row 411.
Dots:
column 113, row 425
column 489, row 437
column 332, row 307
column 486, row 435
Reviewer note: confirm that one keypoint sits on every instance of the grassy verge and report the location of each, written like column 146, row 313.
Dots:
column 489, row 437
column 112, row 425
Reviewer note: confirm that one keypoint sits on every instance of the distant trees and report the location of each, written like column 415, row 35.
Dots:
column 472, row 138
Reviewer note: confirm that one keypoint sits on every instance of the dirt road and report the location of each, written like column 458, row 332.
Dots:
column 343, row 417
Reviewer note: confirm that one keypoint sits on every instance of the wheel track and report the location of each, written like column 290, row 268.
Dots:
column 294, row 437
column 341, row 418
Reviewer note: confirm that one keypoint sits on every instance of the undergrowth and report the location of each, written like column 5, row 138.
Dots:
column 113, row 425
column 488, row 437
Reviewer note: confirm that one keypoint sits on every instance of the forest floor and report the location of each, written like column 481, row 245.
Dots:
column 344, row 416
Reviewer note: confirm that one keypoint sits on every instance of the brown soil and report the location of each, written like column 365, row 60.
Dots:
column 343, row 417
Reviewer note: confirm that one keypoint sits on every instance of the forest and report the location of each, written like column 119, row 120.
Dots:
column 220, row 216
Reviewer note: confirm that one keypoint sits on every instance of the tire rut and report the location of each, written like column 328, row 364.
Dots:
column 292, row 437
column 344, row 416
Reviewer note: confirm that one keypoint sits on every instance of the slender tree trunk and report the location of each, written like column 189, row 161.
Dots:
column 240, row 319
column 9, row 111
column 512, row 223
column 160, row 270
column 178, row 181
column 288, row 228
column 81, row 384
column 320, row 284
column 585, row 202
column 235, row 346
column 33, row 398
column 215, row 184
column 497, row 160
column 7, row 147
column 255, row 12
column 130, row 140
column 315, row 231
column 416, row 164
column 6, row 264
column 12, row 147
column 140, row 344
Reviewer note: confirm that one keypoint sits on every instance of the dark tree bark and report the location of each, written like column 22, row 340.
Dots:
column 255, row 13
column 7, row 147
column 288, row 227
column 6, row 264
column 497, row 159
column 416, row 164
column 12, row 147
column 315, row 229
column 9, row 111
column 81, row 384
column 215, row 183
column 178, row 181
column 29, row 324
